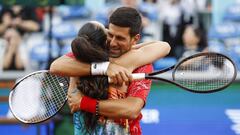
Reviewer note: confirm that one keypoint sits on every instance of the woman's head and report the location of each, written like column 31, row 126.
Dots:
column 90, row 44
column 194, row 38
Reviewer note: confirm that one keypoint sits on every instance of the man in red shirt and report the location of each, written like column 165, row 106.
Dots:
column 123, row 33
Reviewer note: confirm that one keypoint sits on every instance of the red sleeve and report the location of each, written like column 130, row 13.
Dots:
column 70, row 54
column 141, row 88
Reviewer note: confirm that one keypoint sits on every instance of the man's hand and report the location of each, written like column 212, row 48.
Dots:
column 74, row 100
column 118, row 74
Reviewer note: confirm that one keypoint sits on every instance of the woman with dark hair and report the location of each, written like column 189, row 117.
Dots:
column 91, row 46
column 194, row 40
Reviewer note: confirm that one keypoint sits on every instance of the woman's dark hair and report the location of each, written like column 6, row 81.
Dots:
column 202, row 44
column 127, row 17
column 90, row 46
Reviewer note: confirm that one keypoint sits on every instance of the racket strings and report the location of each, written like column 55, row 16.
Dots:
column 39, row 97
column 205, row 73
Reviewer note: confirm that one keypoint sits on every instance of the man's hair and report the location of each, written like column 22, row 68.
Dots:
column 90, row 46
column 127, row 17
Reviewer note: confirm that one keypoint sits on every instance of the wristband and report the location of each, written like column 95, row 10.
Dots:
column 99, row 68
column 88, row 104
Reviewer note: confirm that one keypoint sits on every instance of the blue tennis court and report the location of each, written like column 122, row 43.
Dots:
column 169, row 111
column 178, row 112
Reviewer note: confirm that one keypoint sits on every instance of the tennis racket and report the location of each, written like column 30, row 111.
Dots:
column 38, row 96
column 199, row 73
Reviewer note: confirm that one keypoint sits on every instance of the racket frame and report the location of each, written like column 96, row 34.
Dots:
column 174, row 67
column 12, row 90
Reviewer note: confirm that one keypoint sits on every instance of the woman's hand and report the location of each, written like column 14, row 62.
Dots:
column 74, row 100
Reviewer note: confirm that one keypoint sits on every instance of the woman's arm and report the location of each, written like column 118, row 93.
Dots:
column 18, row 61
column 8, row 56
column 146, row 53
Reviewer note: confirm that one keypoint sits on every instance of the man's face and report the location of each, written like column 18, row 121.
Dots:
column 119, row 40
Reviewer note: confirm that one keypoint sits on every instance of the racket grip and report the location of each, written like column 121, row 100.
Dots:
column 135, row 76
column 138, row 76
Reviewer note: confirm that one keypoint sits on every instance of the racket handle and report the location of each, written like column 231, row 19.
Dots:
column 138, row 76
column 135, row 76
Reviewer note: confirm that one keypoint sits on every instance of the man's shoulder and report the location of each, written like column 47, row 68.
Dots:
column 144, row 69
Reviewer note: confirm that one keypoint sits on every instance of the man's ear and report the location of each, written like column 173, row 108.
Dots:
column 136, row 39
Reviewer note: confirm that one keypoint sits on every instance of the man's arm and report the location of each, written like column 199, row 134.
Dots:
column 128, row 108
column 120, row 108
column 112, row 108
column 131, row 106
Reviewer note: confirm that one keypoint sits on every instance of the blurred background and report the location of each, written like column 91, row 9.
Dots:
column 35, row 32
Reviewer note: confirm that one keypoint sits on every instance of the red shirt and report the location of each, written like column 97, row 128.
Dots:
column 138, row 89
column 70, row 54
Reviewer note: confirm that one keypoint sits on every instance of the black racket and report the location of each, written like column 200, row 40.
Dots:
column 38, row 96
column 199, row 73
